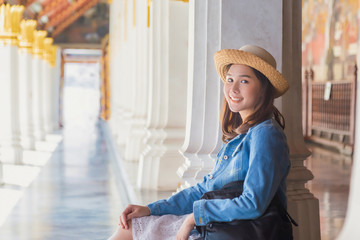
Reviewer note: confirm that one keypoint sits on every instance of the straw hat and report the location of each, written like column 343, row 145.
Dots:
column 255, row 57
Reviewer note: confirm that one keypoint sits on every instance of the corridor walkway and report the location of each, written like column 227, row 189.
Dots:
column 330, row 185
column 74, row 197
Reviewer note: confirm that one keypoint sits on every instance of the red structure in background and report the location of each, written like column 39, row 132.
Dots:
column 56, row 15
column 330, row 121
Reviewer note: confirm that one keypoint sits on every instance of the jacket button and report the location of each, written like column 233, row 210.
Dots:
column 225, row 157
column 211, row 176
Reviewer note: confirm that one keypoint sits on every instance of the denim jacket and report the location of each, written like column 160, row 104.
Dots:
column 260, row 157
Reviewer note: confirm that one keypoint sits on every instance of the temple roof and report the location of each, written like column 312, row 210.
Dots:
column 54, row 16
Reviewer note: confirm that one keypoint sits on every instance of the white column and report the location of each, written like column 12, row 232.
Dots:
column 37, row 86
column 37, row 99
column 26, row 99
column 351, row 230
column 196, row 92
column 10, row 149
column 176, row 96
column 139, row 39
column 121, row 71
column 47, row 79
column 211, row 141
column 9, row 122
column 167, row 96
column 278, row 30
column 150, row 157
column 302, row 204
column 56, row 89
column 1, row 173
column 114, row 52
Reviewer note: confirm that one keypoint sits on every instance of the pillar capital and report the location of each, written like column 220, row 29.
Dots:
column 47, row 53
column 10, row 17
column 38, row 47
column 53, row 51
column 26, row 36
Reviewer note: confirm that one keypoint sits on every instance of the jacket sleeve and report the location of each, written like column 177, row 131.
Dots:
column 268, row 167
column 182, row 202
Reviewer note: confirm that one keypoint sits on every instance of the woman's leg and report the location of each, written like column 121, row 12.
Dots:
column 123, row 234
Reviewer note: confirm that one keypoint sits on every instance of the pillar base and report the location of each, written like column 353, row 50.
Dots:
column 135, row 142
column 1, row 175
column 39, row 135
column 149, row 160
column 28, row 142
column 189, row 169
column 306, row 214
column 12, row 155
column 208, row 162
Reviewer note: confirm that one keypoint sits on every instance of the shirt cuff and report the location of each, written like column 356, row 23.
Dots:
column 199, row 213
column 154, row 209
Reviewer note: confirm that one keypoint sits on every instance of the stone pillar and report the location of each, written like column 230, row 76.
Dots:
column 196, row 92
column 121, row 84
column 37, row 86
column 47, row 78
column 203, row 134
column 302, row 204
column 167, row 96
column 10, row 149
column 139, row 38
column 26, row 39
column 279, row 31
column 56, row 61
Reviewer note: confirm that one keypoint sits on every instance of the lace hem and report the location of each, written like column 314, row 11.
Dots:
column 157, row 227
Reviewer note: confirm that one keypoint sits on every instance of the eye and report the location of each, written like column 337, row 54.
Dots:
column 230, row 80
column 244, row 81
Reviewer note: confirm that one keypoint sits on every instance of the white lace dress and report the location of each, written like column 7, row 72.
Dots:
column 158, row 227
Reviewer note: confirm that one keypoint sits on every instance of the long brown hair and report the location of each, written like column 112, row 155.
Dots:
column 232, row 123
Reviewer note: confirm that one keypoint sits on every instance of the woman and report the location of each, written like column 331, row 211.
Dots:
column 254, row 150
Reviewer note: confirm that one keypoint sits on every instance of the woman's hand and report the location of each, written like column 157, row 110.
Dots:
column 186, row 227
column 132, row 211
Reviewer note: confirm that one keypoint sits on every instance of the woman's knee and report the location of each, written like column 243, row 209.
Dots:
column 122, row 234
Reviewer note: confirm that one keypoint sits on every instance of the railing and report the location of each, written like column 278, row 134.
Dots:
column 329, row 112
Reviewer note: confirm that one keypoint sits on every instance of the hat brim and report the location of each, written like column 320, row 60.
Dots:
column 225, row 57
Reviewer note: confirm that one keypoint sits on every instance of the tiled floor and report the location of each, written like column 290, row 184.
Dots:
column 330, row 185
column 74, row 197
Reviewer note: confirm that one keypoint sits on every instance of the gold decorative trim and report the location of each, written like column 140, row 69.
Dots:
column 10, row 17
column 39, row 37
column 47, row 53
column 148, row 12
column 26, row 36
column 125, row 17
column 134, row 13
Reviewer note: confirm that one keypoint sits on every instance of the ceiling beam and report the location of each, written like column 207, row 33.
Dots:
column 70, row 15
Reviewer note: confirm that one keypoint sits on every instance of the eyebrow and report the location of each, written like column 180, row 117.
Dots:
column 247, row 76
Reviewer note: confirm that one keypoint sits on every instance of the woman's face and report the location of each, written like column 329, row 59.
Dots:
column 242, row 89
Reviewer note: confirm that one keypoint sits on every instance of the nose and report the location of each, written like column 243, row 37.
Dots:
column 235, row 88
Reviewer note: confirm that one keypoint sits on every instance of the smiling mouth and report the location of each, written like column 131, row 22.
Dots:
column 234, row 99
